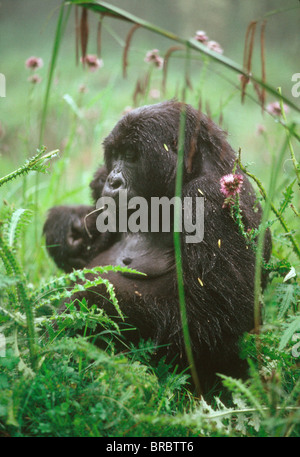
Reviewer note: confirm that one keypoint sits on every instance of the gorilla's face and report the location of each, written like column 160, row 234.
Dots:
column 140, row 155
column 124, row 163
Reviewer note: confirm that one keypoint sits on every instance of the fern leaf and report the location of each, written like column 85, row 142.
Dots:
column 288, row 196
column 7, row 281
column 18, row 219
column 286, row 298
column 36, row 163
column 61, row 288
column 237, row 386
column 17, row 318
column 293, row 327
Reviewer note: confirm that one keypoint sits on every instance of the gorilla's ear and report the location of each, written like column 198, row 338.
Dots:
column 98, row 182
column 192, row 118
column 206, row 148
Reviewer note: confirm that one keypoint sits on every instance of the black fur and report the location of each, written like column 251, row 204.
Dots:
column 218, row 272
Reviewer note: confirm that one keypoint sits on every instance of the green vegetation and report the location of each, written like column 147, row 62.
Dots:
column 56, row 383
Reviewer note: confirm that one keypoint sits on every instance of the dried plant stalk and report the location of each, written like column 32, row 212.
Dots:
column 84, row 33
column 126, row 48
column 141, row 87
column 263, row 62
column 166, row 61
column 99, row 30
column 248, row 50
column 76, row 35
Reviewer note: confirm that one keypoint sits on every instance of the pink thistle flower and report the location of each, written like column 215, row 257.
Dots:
column 275, row 109
column 214, row 46
column 201, row 36
column 92, row 61
column 2, row 130
column 34, row 79
column 34, row 62
column 231, row 184
column 127, row 109
column 244, row 79
column 154, row 93
column 154, row 57
column 260, row 129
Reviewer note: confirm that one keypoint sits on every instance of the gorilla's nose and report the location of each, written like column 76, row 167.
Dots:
column 114, row 183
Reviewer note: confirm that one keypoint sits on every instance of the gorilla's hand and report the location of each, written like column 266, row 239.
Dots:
column 70, row 238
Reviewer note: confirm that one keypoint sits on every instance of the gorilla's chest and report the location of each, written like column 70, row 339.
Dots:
column 139, row 252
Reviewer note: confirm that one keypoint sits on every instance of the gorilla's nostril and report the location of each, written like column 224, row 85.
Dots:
column 77, row 225
column 115, row 180
column 116, row 183
column 127, row 261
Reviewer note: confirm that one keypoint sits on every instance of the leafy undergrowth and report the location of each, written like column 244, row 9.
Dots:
column 55, row 383
column 81, row 390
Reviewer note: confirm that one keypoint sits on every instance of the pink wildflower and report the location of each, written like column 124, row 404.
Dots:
column 127, row 109
column 154, row 57
column 34, row 79
column 231, row 184
column 275, row 110
column 260, row 129
column 2, row 130
column 154, row 93
column 92, row 62
column 244, row 79
column 214, row 46
column 34, row 63
column 201, row 36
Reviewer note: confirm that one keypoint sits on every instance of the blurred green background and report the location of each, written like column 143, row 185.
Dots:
column 75, row 392
column 27, row 28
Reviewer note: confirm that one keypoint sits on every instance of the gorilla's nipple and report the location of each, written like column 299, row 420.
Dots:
column 127, row 261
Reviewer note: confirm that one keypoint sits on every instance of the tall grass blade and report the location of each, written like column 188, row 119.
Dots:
column 260, row 243
column 177, row 247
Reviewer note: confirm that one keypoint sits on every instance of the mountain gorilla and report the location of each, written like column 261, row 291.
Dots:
column 218, row 273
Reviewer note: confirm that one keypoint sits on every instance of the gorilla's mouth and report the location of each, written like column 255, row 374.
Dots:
column 137, row 214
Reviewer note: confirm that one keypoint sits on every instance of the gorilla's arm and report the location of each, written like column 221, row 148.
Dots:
column 67, row 240
column 72, row 238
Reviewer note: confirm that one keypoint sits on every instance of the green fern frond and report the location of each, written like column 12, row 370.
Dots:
column 18, row 220
column 36, row 163
column 292, row 327
column 16, row 318
column 286, row 297
column 62, row 287
column 240, row 388
column 288, row 197
column 7, row 281
column 13, row 269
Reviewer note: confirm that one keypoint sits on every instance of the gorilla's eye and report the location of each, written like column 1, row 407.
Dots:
column 129, row 155
column 114, row 155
